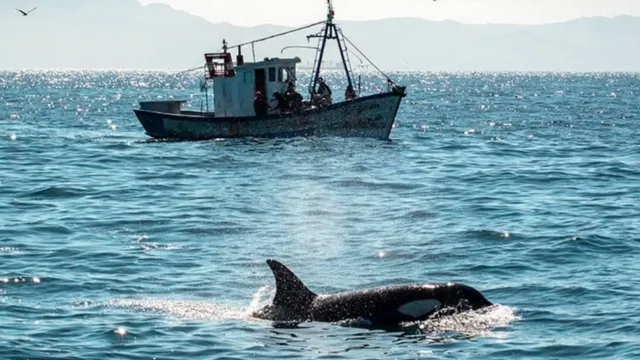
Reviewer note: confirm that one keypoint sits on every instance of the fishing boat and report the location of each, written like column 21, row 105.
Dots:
column 241, row 92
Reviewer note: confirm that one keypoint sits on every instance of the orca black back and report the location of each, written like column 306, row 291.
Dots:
column 389, row 305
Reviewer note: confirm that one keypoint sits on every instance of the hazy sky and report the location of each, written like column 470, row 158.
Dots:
column 296, row 12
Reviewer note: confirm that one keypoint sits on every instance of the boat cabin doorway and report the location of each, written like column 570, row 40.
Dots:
column 261, row 84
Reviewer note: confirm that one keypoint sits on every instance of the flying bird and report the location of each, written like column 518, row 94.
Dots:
column 26, row 13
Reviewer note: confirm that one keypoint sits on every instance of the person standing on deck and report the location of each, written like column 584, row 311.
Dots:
column 324, row 91
column 283, row 103
column 349, row 94
column 260, row 104
column 293, row 98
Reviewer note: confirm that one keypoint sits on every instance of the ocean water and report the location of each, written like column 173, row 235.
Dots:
column 524, row 186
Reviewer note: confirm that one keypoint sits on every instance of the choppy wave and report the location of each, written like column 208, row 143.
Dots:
column 113, row 245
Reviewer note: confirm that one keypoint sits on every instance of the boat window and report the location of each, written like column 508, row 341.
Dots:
column 281, row 74
column 272, row 74
column 248, row 77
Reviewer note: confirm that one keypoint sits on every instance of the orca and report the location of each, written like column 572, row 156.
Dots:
column 383, row 306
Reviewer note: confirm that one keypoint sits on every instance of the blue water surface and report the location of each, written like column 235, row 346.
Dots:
column 524, row 186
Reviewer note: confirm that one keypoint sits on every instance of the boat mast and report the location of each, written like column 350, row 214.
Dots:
column 344, row 60
column 321, row 55
column 330, row 32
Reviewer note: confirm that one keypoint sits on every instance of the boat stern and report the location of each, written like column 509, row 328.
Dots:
column 150, row 115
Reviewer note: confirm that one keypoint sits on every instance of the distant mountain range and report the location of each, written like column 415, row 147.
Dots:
column 122, row 34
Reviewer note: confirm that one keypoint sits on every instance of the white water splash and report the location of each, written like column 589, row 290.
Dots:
column 260, row 298
column 146, row 245
column 183, row 309
column 473, row 323
column 197, row 310
column 8, row 249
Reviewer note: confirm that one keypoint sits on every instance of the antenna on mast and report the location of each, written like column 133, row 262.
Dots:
column 330, row 12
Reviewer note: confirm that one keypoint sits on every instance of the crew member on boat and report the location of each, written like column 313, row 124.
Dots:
column 283, row 104
column 293, row 98
column 260, row 104
column 323, row 93
column 349, row 94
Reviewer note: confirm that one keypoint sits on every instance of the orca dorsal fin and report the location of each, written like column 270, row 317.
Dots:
column 290, row 291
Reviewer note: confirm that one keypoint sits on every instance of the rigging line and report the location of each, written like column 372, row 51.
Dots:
column 189, row 70
column 365, row 56
column 276, row 35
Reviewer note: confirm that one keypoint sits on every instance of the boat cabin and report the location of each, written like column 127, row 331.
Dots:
column 235, row 87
